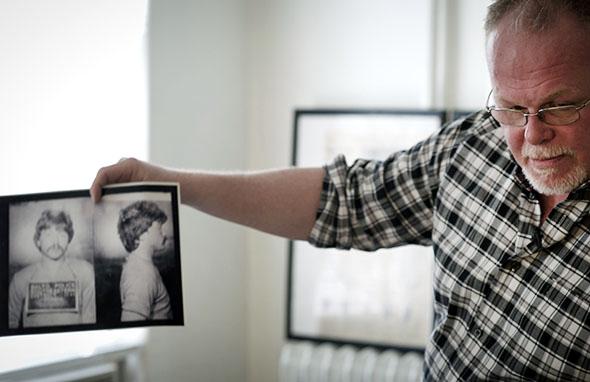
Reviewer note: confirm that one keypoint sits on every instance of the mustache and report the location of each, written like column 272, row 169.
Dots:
column 56, row 246
column 545, row 152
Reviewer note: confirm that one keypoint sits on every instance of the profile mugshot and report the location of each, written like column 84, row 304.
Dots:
column 143, row 293
column 56, row 289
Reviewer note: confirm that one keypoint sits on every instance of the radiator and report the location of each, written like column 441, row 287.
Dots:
column 308, row 362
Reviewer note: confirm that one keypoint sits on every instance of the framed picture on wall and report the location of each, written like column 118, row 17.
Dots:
column 384, row 298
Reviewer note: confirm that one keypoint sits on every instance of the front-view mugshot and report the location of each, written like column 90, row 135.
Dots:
column 56, row 289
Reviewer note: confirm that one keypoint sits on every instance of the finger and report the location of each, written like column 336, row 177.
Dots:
column 116, row 173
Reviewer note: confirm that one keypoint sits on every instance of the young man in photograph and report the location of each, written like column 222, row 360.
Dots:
column 56, row 290
column 143, row 294
column 503, row 196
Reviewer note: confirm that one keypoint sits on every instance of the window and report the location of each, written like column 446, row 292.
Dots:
column 73, row 97
column 73, row 94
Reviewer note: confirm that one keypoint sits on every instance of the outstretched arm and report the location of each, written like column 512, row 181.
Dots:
column 280, row 202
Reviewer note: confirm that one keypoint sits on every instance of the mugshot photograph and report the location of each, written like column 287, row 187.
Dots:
column 135, row 259
column 51, row 271
column 143, row 293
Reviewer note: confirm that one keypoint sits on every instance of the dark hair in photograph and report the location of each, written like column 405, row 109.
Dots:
column 59, row 219
column 135, row 220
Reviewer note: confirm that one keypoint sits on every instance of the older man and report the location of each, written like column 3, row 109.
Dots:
column 502, row 196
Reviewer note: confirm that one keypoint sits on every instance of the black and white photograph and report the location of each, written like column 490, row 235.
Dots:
column 76, row 265
column 51, row 268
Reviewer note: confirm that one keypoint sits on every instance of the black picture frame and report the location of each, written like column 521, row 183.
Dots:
column 95, row 240
column 305, row 260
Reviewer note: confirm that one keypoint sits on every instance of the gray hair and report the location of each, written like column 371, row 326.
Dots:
column 535, row 15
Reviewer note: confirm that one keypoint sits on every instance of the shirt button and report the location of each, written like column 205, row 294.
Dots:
column 513, row 265
column 476, row 332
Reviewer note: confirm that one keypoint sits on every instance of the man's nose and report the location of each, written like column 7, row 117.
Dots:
column 538, row 132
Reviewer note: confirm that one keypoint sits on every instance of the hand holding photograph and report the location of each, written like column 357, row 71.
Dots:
column 71, row 264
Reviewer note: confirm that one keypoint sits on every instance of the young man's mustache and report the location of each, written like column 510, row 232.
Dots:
column 56, row 247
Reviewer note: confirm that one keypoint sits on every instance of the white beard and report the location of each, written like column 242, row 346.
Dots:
column 551, row 183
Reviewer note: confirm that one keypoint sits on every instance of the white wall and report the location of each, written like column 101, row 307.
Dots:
column 308, row 53
column 226, row 76
column 197, row 121
column 334, row 53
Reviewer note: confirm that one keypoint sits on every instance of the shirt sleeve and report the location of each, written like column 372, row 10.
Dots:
column 383, row 204
column 16, row 297
column 88, row 296
column 137, row 294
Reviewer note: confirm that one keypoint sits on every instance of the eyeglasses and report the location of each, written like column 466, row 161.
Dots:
column 554, row 115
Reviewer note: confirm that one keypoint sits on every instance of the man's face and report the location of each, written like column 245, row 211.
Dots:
column 53, row 242
column 535, row 70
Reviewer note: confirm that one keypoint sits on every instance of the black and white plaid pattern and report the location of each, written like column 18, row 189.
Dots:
column 512, row 297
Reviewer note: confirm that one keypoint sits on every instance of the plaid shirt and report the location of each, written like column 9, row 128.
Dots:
column 511, row 294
